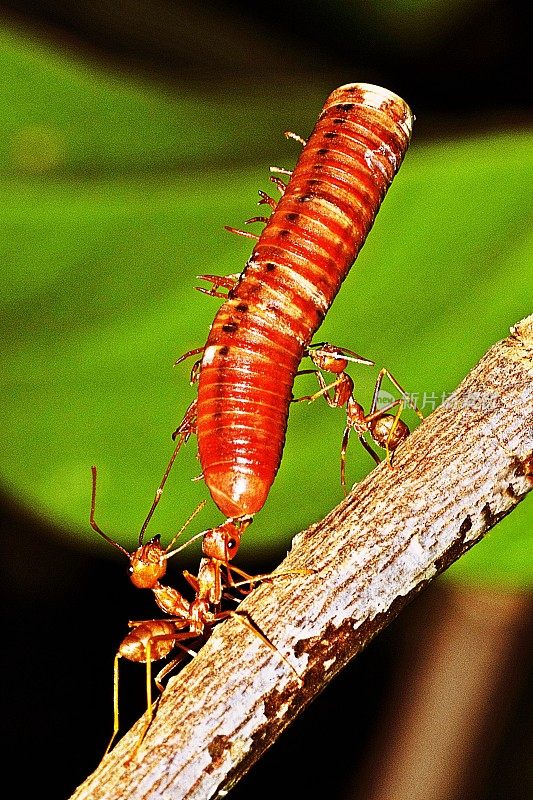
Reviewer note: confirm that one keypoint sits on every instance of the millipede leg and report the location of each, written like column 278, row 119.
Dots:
column 266, row 199
column 291, row 135
column 228, row 282
column 277, row 181
column 187, row 426
column 188, row 354
column 239, row 232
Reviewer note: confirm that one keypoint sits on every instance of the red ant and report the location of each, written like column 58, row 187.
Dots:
column 387, row 430
column 152, row 640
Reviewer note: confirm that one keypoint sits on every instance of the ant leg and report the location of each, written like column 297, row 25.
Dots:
column 150, row 705
column 191, row 579
column 385, row 372
column 251, row 626
column 369, row 449
column 115, row 705
column 344, row 447
column 267, row 576
column 324, row 389
column 171, row 665
column 185, row 651
column 390, row 437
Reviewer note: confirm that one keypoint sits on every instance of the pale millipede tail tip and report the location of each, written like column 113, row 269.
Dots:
column 379, row 98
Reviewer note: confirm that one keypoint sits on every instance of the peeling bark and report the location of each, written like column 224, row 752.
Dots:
column 458, row 474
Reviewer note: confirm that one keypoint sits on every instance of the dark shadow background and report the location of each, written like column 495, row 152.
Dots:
column 462, row 65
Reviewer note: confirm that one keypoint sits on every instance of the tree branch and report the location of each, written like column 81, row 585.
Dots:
column 457, row 475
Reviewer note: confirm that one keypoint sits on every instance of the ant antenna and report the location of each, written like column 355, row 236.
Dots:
column 196, row 511
column 168, row 554
column 182, row 439
column 183, row 546
column 92, row 520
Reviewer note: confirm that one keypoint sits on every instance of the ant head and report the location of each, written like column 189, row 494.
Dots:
column 223, row 542
column 333, row 359
column 329, row 359
column 148, row 564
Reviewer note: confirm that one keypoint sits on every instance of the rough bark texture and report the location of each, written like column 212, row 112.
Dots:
column 458, row 474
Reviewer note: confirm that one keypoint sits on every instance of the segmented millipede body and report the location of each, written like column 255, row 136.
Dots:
column 261, row 332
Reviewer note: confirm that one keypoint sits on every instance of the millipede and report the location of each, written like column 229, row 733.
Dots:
column 272, row 310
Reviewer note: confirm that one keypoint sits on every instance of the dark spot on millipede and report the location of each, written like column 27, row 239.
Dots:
column 323, row 151
column 304, row 198
column 466, row 524
column 217, row 414
column 346, row 106
column 270, row 267
column 330, row 135
column 242, row 307
column 284, row 233
column 292, row 216
column 230, row 327
column 223, row 351
column 320, row 314
column 314, row 181
column 339, row 121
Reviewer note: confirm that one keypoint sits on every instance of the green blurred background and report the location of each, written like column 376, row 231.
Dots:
column 130, row 135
